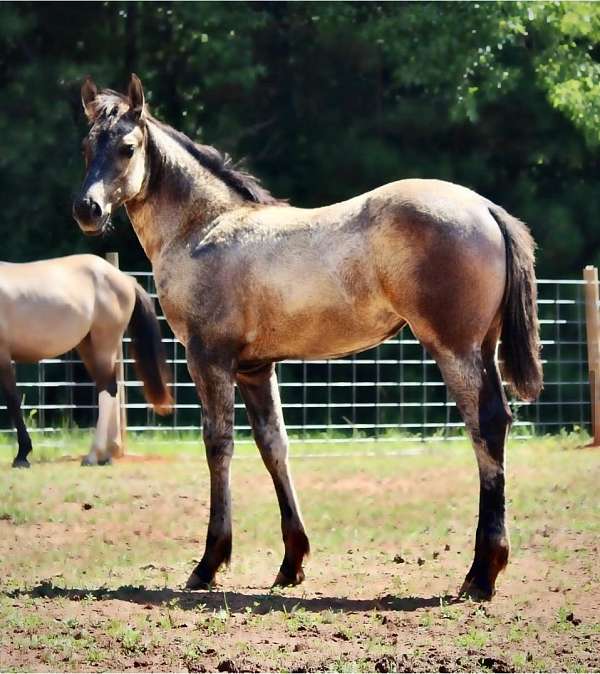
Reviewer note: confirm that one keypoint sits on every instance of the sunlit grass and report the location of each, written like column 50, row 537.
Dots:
column 382, row 525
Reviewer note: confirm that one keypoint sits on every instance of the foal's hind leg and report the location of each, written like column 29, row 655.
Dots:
column 475, row 383
column 13, row 404
column 261, row 396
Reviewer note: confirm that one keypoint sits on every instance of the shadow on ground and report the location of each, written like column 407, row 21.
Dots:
column 234, row 602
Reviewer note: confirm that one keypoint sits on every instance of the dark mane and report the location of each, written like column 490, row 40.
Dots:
column 222, row 165
column 109, row 103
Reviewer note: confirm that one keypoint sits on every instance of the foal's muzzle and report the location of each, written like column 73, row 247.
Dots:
column 89, row 216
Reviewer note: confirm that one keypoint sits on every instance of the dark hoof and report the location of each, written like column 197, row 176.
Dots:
column 283, row 580
column 194, row 582
column 491, row 557
column 86, row 461
column 476, row 590
column 21, row 463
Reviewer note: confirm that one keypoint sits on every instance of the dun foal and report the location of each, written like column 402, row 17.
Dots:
column 245, row 281
column 79, row 302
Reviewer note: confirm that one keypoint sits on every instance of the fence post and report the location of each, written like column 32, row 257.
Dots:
column 590, row 275
column 113, row 258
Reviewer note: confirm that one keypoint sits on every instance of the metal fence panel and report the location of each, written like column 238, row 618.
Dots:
column 394, row 388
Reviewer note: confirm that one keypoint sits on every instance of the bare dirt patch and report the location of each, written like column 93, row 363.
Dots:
column 93, row 563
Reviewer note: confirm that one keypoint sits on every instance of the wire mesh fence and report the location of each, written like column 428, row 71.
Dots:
column 387, row 392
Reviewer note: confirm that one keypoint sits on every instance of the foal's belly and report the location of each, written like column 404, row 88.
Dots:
column 321, row 334
column 37, row 332
column 324, row 302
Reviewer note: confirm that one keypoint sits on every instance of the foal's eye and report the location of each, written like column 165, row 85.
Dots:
column 127, row 150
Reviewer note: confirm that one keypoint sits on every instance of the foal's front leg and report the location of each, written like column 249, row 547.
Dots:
column 261, row 396
column 215, row 385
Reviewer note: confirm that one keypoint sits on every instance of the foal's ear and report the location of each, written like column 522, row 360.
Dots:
column 89, row 91
column 136, row 96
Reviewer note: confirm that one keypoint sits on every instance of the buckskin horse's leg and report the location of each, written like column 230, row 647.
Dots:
column 13, row 405
column 476, row 386
column 261, row 396
column 215, row 385
column 100, row 362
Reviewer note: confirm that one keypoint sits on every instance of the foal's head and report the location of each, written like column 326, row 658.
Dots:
column 115, row 153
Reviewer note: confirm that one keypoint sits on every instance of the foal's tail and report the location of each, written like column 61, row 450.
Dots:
column 150, row 361
column 520, row 346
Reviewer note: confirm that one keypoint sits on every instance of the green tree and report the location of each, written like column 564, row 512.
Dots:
column 324, row 99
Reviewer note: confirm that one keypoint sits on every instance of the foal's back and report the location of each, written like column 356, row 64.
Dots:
column 312, row 283
column 48, row 307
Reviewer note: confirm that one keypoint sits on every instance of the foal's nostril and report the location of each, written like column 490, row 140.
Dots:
column 95, row 209
column 86, row 209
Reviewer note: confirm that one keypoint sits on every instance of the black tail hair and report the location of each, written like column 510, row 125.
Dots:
column 520, row 346
column 149, row 354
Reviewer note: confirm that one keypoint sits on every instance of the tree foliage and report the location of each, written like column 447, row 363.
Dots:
column 325, row 100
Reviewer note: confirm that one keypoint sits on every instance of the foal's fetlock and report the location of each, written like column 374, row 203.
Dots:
column 218, row 553
column 201, row 578
column 284, row 579
column 477, row 588
column 297, row 548
column 20, row 462
column 491, row 558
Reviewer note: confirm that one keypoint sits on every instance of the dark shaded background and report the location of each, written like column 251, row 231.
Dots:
column 324, row 100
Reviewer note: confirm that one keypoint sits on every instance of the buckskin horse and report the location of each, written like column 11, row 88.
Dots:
column 79, row 302
column 246, row 280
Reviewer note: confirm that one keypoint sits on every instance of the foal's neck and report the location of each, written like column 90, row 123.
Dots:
column 181, row 196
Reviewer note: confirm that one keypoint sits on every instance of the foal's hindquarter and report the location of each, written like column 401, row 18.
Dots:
column 288, row 282
column 50, row 307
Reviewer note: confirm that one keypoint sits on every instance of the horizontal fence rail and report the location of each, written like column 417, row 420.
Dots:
column 387, row 391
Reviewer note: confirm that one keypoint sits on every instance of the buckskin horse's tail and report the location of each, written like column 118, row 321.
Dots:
column 149, row 354
column 520, row 341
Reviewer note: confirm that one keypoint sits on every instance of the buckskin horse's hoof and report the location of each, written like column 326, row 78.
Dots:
column 284, row 580
column 20, row 463
column 478, row 592
column 194, row 582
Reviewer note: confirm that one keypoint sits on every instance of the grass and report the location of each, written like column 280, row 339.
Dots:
column 474, row 638
column 73, row 443
column 94, row 560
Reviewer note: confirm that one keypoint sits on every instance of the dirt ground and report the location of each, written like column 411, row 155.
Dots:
column 93, row 562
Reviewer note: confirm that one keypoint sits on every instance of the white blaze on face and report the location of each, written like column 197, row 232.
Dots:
column 97, row 191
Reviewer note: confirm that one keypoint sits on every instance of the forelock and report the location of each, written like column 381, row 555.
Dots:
column 110, row 109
